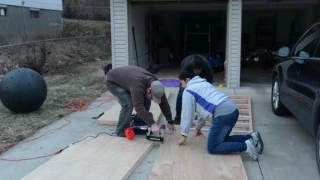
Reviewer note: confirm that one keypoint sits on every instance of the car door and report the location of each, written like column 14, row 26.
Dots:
column 289, row 86
column 308, row 70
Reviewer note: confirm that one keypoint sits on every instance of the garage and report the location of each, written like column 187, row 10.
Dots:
column 245, row 35
column 265, row 28
column 174, row 31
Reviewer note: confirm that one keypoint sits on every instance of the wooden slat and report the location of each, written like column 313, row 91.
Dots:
column 238, row 124
column 243, row 106
column 111, row 116
column 241, row 132
column 97, row 159
column 238, row 97
column 244, row 111
column 235, row 131
column 240, row 101
column 192, row 161
column 244, row 122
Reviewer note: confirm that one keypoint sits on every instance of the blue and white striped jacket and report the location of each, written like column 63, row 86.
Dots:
column 201, row 97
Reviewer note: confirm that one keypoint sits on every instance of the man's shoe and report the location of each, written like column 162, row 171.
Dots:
column 118, row 133
column 251, row 149
column 121, row 135
column 177, row 120
column 257, row 141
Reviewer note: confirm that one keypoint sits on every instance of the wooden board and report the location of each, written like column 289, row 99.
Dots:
column 244, row 123
column 192, row 161
column 110, row 117
column 105, row 157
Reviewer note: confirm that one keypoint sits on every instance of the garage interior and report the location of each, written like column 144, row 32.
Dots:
column 165, row 33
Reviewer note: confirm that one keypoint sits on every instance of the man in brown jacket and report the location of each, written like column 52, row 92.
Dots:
column 135, row 87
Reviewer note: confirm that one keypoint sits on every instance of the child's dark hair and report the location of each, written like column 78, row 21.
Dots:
column 186, row 74
column 196, row 61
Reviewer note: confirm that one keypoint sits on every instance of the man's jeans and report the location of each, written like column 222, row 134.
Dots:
column 219, row 141
column 179, row 100
column 125, row 100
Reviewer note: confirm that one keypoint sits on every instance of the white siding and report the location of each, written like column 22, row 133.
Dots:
column 119, row 32
column 39, row 4
column 233, row 49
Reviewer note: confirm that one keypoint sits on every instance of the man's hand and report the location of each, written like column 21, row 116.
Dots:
column 198, row 132
column 171, row 128
column 155, row 128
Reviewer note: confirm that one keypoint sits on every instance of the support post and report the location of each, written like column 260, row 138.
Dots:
column 233, row 43
column 119, row 32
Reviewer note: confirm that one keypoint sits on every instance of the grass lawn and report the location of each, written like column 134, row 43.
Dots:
column 84, row 80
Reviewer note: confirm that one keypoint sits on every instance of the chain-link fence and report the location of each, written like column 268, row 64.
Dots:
column 53, row 54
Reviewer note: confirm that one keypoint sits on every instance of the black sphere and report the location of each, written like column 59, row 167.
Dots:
column 23, row 90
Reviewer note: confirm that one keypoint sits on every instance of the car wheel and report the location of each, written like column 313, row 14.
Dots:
column 277, row 106
column 318, row 147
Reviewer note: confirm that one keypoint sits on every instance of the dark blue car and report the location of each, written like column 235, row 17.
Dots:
column 296, row 82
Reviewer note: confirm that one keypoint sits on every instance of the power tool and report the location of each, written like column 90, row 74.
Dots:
column 160, row 137
column 140, row 127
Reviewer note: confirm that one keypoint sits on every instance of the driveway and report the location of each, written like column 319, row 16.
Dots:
column 289, row 153
column 289, row 149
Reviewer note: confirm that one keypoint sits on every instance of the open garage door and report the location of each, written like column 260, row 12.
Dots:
column 168, row 31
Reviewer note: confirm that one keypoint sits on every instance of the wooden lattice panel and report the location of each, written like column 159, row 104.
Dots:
column 244, row 123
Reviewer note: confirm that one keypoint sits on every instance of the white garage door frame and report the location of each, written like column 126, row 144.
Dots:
column 233, row 43
column 119, row 32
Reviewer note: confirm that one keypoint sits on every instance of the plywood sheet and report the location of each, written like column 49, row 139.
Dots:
column 244, row 123
column 105, row 157
column 192, row 161
column 110, row 117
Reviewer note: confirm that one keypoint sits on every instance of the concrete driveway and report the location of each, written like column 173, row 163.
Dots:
column 289, row 149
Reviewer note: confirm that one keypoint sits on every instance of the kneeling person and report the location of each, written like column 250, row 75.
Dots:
column 210, row 103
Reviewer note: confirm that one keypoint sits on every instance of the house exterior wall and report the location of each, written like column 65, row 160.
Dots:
column 119, row 32
column 233, row 44
column 18, row 22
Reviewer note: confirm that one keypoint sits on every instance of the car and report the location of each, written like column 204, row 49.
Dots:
column 296, row 83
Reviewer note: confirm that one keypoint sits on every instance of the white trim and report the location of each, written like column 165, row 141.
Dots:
column 227, row 47
column 240, row 44
column 113, row 60
column 119, row 33
column 34, row 9
column 128, row 29
column 232, row 81
column 130, row 35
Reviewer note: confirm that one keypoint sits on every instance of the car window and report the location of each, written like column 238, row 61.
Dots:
column 308, row 43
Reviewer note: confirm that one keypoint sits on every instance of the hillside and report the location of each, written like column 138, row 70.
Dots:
column 87, row 9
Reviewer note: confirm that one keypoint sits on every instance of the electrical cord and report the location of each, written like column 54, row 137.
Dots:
column 92, row 137
column 76, row 105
